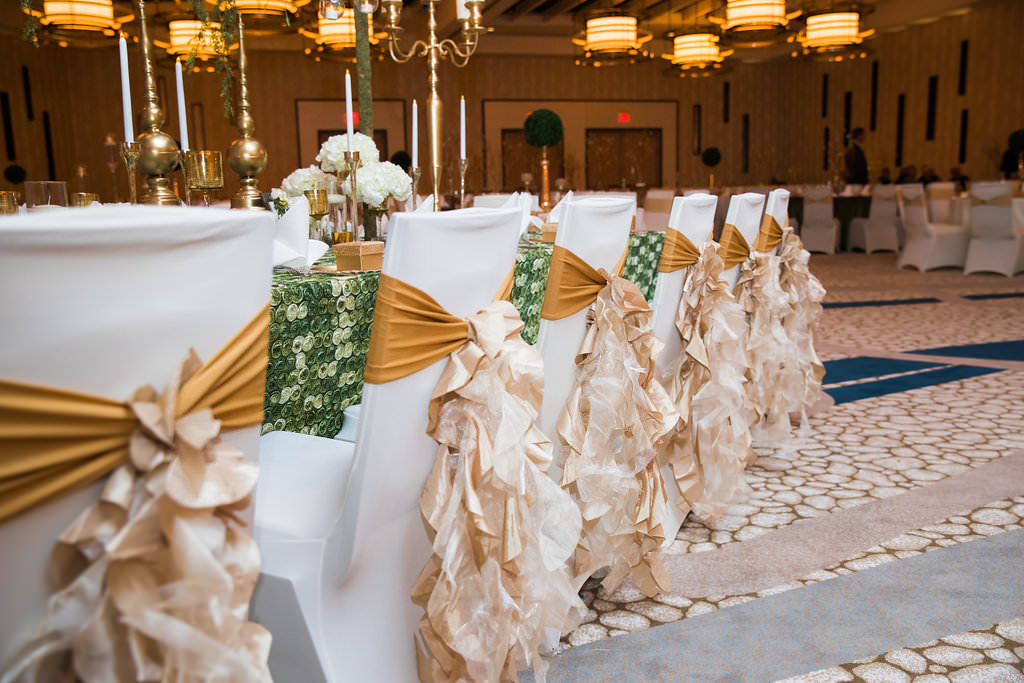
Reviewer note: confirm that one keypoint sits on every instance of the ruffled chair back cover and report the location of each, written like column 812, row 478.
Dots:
column 118, row 296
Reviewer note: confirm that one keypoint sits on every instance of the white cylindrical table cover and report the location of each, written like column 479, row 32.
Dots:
column 105, row 300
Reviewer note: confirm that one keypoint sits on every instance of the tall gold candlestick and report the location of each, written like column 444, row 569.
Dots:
column 434, row 50
column 158, row 151
column 247, row 156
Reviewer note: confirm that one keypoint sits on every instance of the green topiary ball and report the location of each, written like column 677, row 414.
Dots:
column 543, row 128
column 711, row 156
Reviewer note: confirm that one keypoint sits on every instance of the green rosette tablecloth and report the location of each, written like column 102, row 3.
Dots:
column 320, row 333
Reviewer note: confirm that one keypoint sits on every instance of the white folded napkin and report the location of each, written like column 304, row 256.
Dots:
column 426, row 206
column 292, row 246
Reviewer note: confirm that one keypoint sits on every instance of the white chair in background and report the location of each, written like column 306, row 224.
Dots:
column 117, row 297
column 996, row 245
column 338, row 571
column 819, row 230
column 696, row 190
column 940, row 201
column 694, row 217
column 928, row 245
column 745, row 213
column 498, row 200
column 880, row 230
column 595, row 228
column 657, row 209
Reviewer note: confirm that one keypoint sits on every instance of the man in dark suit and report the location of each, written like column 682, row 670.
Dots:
column 856, row 162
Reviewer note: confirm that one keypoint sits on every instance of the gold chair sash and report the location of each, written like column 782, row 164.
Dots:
column 411, row 330
column 572, row 284
column 53, row 441
column 769, row 235
column 734, row 248
column 1001, row 200
column 678, row 253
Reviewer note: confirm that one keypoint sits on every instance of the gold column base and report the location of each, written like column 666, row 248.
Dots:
column 248, row 196
column 158, row 191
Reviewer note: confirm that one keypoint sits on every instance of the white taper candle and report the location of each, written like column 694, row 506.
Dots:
column 462, row 127
column 182, row 116
column 461, row 11
column 126, row 93
column 415, row 135
column 348, row 108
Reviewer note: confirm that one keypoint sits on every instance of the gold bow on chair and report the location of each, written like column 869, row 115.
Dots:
column 572, row 284
column 678, row 253
column 734, row 248
column 1001, row 200
column 155, row 577
column 769, row 235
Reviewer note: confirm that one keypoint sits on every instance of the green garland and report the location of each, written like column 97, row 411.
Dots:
column 543, row 128
column 226, row 14
column 31, row 29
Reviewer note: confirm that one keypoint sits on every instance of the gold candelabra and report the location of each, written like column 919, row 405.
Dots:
column 157, row 151
column 434, row 50
column 247, row 156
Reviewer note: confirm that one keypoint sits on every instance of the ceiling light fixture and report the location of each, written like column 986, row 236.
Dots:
column 753, row 23
column 834, row 36
column 696, row 54
column 609, row 38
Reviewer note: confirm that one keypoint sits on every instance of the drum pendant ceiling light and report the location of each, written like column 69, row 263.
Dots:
column 696, row 54
column 81, row 23
column 610, row 38
column 753, row 23
column 188, row 35
column 834, row 36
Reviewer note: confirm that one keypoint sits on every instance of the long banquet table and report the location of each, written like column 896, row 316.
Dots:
column 320, row 333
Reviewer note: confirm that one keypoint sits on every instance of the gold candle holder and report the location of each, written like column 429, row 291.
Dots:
column 415, row 173
column 463, row 165
column 81, row 199
column 8, row 202
column 247, row 156
column 354, row 214
column 434, row 49
column 130, row 155
column 204, row 171
column 545, row 192
column 158, row 151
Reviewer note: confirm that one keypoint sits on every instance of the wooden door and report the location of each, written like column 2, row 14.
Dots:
column 517, row 158
column 623, row 157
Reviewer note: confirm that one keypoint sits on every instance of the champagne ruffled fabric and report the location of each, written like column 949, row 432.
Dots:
column 613, row 424
column 154, row 578
column 805, row 294
column 711, row 446
column 771, row 385
column 502, row 530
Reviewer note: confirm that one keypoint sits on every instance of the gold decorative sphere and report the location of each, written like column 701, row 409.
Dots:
column 247, row 156
column 158, row 153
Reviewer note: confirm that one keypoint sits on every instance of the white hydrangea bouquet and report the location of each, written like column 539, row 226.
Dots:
column 332, row 153
column 378, row 181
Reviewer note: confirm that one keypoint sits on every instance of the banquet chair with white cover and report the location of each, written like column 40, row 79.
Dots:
column 940, row 202
column 658, row 206
column 996, row 244
column 500, row 200
column 928, row 245
column 819, row 230
column 109, row 300
column 595, row 228
column 880, row 230
column 694, row 217
column 348, row 566
column 744, row 213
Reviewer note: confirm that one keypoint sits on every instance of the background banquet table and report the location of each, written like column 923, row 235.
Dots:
column 320, row 333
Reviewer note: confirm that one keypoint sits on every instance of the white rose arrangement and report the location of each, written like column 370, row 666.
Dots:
column 302, row 179
column 332, row 152
column 378, row 180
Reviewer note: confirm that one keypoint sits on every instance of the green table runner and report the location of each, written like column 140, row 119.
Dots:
column 320, row 333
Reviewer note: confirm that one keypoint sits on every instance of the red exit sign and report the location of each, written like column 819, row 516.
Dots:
column 624, row 117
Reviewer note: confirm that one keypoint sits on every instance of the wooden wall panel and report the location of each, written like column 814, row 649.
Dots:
column 80, row 90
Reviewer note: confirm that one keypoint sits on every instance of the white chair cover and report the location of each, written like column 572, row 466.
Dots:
column 499, row 200
column 777, row 207
column 940, row 199
column 104, row 302
column 928, row 245
column 375, row 545
column 996, row 244
column 819, row 230
column 880, row 230
column 597, row 230
column 745, row 214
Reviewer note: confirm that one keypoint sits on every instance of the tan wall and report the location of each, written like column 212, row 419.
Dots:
column 80, row 90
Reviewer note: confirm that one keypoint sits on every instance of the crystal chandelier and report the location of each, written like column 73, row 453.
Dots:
column 611, row 38
column 834, row 36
